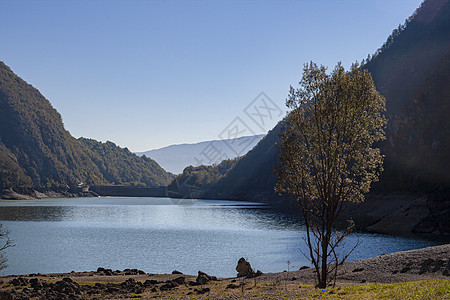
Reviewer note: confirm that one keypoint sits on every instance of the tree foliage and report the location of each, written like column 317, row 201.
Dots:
column 326, row 153
column 120, row 166
column 199, row 179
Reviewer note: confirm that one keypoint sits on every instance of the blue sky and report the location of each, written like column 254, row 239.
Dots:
column 147, row 74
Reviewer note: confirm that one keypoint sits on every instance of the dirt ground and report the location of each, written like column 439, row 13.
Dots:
column 423, row 264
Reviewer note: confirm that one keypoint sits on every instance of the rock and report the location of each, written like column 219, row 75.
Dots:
column 109, row 273
column 258, row 273
column 405, row 269
column 244, row 269
column 358, row 270
column 304, row 267
column 100, row 270
column 203, row 278
column 232, row 286
column 35, row 283
column 179, row 280
column 177, row 272
column 203, row 291
column 112, row 290
column 19, row 281
column 65, row 287
column 168, row 286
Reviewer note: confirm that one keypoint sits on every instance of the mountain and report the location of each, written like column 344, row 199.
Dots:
column 252, row 178
column 120, row 166
column 175, row 158
column 37, row 152
column 412, row 71
column 194, row 181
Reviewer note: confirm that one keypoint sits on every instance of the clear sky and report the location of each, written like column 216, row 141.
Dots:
column 147, row 74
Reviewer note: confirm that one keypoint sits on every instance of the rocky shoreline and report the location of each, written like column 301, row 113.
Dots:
column 32, row 194
column 423, row 264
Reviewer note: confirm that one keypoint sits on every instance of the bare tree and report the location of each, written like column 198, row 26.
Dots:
column 327, row 157
column 5, row 242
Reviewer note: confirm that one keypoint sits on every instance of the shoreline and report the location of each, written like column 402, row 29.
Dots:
column 430, row 263
column 395, row 214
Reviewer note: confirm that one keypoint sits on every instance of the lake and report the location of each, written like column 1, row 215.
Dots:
column 158, row 235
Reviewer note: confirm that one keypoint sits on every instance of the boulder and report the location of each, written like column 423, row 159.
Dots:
column 179, row 280
column 244, row 269
column 168, row 286
column 203, row 278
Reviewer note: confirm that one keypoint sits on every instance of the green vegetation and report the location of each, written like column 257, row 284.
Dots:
column 326, row 154
column 200, row 178
column 429, row 289
column 37, row 152
column 411, row 72
column 120, row 166
column 252, row 178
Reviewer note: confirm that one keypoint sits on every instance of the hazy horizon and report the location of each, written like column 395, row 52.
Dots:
column 149, row 74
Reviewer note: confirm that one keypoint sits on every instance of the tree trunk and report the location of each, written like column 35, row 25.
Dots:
column 324, row 271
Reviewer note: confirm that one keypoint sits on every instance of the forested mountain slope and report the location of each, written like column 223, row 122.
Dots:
column 121, row 166
column 412, row 71
column 37, row 152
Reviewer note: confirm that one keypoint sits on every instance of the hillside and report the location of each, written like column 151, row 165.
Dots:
column 412, row 71
column 195, row 181
column 252, row 178
column 37, row 152
column 120, row 166
column 175, row 158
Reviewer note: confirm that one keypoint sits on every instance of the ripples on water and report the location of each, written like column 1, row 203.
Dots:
column 153, row 234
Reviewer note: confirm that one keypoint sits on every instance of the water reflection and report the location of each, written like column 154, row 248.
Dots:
column 60, row 235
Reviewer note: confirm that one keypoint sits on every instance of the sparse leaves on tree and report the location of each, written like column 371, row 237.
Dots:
column 327, row 158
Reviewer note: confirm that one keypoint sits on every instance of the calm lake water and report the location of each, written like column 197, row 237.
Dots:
column 159, row 236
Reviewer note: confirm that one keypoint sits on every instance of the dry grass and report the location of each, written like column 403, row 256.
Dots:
column 254, row 289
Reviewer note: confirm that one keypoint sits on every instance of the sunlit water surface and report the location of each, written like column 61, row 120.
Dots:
column 159, row 235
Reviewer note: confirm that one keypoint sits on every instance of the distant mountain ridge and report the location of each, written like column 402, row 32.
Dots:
column 36, row 151
column 175, row 158
column 412, row 71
